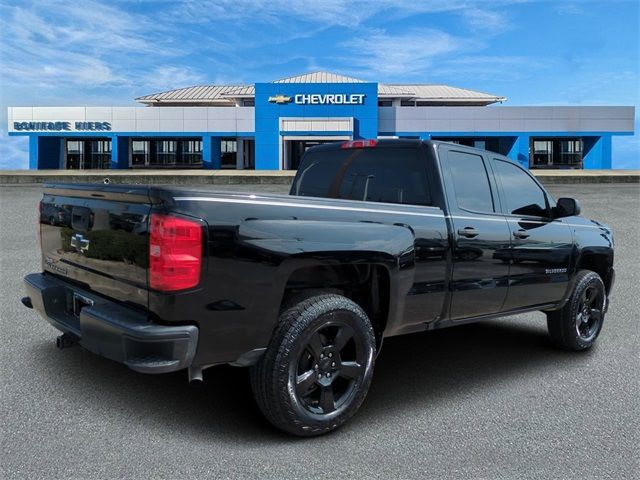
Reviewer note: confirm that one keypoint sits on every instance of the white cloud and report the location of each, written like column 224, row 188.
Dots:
column 74, row 44
column 347, row 13
column 80, row 70
column 170, row 77
column 381, row 54
column 567, row 8
column 491, row 21
column 487, row 67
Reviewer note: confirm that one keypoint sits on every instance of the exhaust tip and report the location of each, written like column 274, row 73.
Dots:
column 195, row 376
column 26, row 301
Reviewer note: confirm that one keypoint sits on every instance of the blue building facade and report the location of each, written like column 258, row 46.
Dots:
column 268, row 126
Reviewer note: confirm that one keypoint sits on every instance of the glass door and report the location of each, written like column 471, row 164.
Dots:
column 100, row 154
column 140, row 153
column 74, row 154
column 542, row 153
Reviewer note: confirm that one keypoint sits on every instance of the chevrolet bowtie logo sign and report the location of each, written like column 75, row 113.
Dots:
column 79, row 243
column 279, row 99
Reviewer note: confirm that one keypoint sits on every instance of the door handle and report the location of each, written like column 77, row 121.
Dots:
column 468, row 232
column 522, row 234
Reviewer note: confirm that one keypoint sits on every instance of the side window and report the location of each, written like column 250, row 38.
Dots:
column 523, row 196
column 470, row 181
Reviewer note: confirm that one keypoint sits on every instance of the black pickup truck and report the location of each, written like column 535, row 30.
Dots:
column 377, row 238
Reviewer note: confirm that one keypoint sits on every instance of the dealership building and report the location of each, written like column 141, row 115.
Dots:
column 268, row 126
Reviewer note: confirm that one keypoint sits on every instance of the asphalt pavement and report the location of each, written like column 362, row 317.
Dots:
column 492, row 400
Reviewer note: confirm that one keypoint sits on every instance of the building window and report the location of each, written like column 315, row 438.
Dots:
column 248, row 102
column 192, row 152
column 385, row 103
column 570, row 152
column 87, row 154
column 542, row 153
column 166, row 152
column 140, row 153
column 100, row 154
column 75, row 154
column 228, row 151
column 556, row 153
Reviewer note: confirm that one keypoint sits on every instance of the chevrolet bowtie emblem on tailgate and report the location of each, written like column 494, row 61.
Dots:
column 80, row 243
column 279, row 99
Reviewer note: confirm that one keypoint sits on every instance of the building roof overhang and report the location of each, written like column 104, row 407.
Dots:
column 226, row 95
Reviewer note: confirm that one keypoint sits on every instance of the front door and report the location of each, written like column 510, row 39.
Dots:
column 481, row 235
column 541, row 247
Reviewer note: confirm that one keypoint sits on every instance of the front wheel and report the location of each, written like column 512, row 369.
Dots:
column 318, row 367
column 577, row 325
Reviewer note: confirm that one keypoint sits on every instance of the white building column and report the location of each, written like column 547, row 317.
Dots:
column 239, row 153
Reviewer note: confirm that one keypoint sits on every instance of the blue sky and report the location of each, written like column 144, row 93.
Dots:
column 106, row 53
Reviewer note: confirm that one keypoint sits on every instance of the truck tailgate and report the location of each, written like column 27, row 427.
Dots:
column 98, row 236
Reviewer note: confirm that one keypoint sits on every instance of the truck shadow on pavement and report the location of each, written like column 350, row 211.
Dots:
column 413, row 371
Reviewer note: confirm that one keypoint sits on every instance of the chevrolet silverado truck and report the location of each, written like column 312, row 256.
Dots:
column 377, row 238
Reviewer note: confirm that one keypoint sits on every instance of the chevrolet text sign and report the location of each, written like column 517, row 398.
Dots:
column 329, row 99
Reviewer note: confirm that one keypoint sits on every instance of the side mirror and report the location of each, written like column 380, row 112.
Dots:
column 567, row 207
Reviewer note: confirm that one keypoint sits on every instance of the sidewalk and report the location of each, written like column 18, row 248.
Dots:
column 268, row 177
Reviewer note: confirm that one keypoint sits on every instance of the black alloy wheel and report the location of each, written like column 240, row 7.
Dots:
column 579, row 322
column 330, row 366
column 318, row 366
column 589, row 316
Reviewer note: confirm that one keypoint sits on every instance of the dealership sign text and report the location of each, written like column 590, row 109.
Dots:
column 320, row 99
column 329, row 99
column 62, row 126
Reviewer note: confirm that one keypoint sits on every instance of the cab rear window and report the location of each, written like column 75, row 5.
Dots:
column 386, row 175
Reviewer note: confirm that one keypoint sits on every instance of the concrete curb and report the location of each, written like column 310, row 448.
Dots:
column 262, row 177
column 163, row 177
column 555, row 177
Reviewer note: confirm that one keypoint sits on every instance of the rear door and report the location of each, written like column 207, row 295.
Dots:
column 481, row 236
column 541, row 247
column 98, row 237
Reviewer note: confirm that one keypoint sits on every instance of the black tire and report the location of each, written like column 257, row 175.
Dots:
column 318, row 367
column 577, row 325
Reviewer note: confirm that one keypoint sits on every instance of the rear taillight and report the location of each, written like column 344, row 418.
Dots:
column 175, row 253
column 359, row 143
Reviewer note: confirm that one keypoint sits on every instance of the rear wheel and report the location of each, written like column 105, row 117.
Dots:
column 577, row 325
column 318, row 367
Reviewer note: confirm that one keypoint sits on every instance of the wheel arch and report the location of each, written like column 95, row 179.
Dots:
column 355, row 259
column 600, row 261
column 367, row 284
